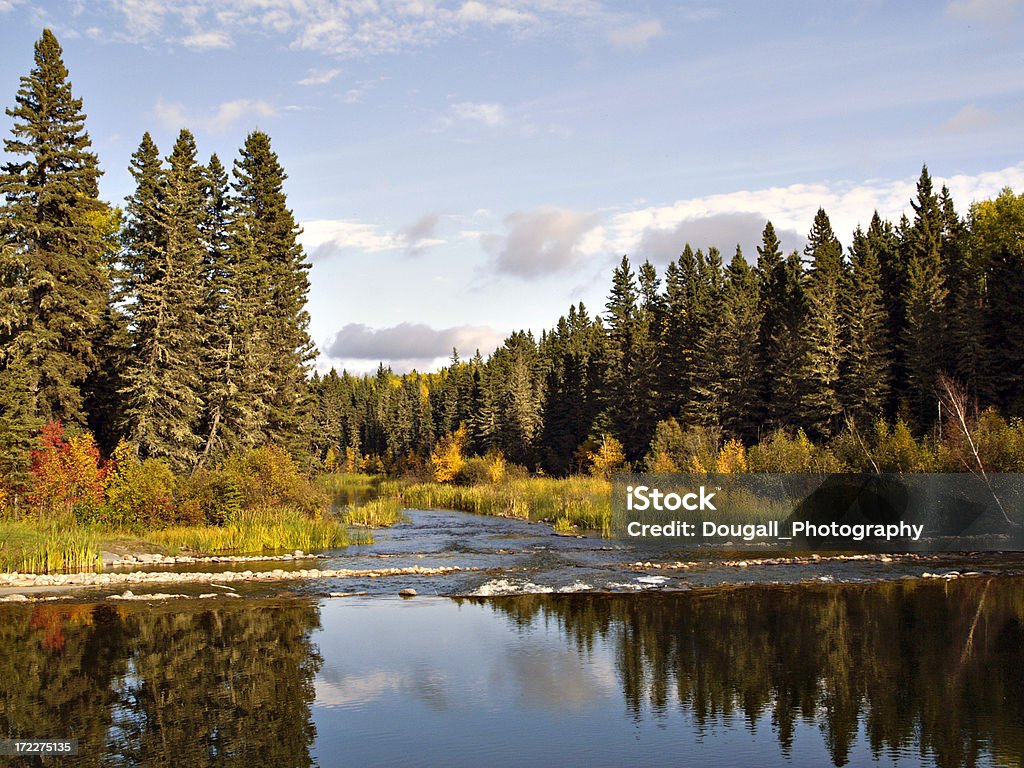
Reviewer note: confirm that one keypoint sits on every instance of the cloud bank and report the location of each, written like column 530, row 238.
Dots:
column 408, row 345
column 225, row 116
column 347, row 29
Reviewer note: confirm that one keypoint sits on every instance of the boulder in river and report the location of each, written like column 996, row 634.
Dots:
column 407, row 592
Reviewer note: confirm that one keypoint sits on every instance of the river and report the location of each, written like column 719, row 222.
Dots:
column 557, row 651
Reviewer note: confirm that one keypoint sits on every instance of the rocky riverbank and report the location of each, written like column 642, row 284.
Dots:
column 9, row 582
column 114, row 560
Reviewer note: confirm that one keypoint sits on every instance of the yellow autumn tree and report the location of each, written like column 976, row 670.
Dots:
column 331, row 460
column 732, row 458
column 447, row 458
column 607, row 457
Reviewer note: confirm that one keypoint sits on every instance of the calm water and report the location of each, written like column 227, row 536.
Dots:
column 870, row 670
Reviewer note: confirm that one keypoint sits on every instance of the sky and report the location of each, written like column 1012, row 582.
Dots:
column 465, row 169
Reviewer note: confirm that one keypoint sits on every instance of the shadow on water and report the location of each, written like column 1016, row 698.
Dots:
column 907, row 672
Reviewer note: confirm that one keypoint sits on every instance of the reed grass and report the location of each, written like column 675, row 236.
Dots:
column 347, row 489
column 581, row 502
column 257, row 531
column 376, row 513
column 52, row 546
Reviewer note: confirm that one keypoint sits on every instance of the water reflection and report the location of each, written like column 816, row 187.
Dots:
column 912, row 672
column 930, row 669
column 225, row 686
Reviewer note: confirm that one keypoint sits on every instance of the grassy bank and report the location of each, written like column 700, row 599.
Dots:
column 49, row 547
column 258, row 531
column 65, row 544
column 376, row 513
column 580, row 502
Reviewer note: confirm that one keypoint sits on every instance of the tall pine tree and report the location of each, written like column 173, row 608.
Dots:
column 823, row 330
column 925, row 336
column 866, row 372
column 163, row 387
column 273, row 277
column 52, row 226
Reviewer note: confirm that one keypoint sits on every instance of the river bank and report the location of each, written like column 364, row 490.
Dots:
column 11, row 582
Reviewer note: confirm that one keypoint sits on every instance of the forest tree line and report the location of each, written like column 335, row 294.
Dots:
column 827, row 342
column 174, row 326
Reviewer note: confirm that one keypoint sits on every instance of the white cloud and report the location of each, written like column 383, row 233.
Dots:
column 319, row 76
column 360, row 89
column 736, row 217
column 8, row 5
column 994, row 12
column 422, row 234
column 348, row 28
column 174, row 115
column 323, row 237
column 538, row 242
column 203, row 41
column 488, row 113
column 409, row 345
column 474, row 12
column 636, row 35
column 145, row 17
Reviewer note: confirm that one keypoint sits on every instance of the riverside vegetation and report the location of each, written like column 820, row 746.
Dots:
column 156, row 377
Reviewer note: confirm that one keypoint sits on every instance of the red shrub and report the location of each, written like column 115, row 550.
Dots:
column 66, row 471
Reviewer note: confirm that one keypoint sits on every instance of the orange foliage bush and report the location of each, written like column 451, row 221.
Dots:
column 66, row 471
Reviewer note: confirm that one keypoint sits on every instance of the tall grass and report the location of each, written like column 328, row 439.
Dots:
column 53, row 546
column 579, row 501
column 258, row 530
column 376, row 513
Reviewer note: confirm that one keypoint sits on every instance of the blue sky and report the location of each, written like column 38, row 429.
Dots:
column 463, row 169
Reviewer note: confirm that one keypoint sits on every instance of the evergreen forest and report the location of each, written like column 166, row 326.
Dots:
column 172, row 328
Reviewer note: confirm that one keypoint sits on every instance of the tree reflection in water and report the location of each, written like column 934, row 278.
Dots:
column 159, row 686
column 933, row 668
column 925, row 668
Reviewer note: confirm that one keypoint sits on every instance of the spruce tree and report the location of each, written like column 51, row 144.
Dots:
column 273, row 277
column 866, row 371
column 51, row 224
column 740, row 364
column 571, row 395
column 162, row 382
column 884, row 242
column 779, row 339
column 626, row 404
column 220, row 293
column 925, row 336
column 963, row 300
column 707, row 399
column 822, row 330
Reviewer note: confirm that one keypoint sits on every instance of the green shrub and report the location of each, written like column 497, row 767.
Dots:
column 139, row 493
column 896, row 450
column 1000, row 443
column 209, row 496
column 268, row 477
column 674, row 449
column 783, row 452
column 474, row 471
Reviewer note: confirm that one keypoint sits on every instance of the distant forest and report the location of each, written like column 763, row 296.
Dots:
column 827, row 341
column 175, row 327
